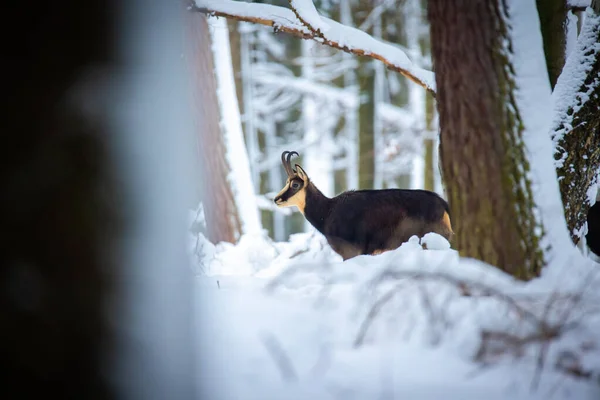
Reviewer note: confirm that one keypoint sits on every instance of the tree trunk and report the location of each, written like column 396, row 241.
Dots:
column 239, row 177
column 429, row 144
column 577, row 131
column 366, row 120
column 553, row 21
column 222, row 222
column 59, row 219
column 235, row 41
column 350, row 117
column 482, row 151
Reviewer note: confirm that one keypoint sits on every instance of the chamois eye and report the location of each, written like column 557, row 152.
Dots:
column 295, row 185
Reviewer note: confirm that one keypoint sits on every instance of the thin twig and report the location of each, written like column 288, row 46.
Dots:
column 281, row 359
column 373, row 312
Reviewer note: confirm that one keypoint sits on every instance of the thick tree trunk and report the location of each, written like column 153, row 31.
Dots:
column 576, row 131
column 482, row 151
column 553, row 21
column 222, row 222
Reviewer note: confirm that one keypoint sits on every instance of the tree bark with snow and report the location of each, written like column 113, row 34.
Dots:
column 222, row 221
column 485, row 166
column 576, row 130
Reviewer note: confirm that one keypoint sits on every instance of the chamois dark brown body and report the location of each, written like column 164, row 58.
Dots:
column 372, row 221
column 364, row 221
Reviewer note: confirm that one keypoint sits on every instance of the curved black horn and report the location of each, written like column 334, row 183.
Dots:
column 289, row 157
column 286, row 164
column 285, row 160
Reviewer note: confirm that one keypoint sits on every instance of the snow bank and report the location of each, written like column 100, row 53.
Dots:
column 290, row 320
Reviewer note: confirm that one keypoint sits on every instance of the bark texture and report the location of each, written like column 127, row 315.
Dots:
column 553, row 23
column 577, row 134
column 58, row 219
column 222, row 221
column 482, row 152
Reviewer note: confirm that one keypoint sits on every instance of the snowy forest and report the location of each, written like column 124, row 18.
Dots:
column 494, row 106
column 294, row 199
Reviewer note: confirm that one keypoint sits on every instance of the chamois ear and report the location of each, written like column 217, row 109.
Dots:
column 301, row 173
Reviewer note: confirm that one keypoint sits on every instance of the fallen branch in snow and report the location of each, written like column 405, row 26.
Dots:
column 372, row 314
column 304, row 22
column 495, row 344
column 281, row 359
column 471, row 288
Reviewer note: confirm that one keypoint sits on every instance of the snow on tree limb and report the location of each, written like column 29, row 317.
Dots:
column 304, row 21
column 578, row 4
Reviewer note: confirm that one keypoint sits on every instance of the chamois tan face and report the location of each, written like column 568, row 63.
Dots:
column 294, row 191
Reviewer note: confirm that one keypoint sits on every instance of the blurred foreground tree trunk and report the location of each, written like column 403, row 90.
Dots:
column 58, row 219
column 222, row 221
column 483, row 157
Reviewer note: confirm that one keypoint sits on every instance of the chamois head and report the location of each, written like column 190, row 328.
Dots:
column 294, row 191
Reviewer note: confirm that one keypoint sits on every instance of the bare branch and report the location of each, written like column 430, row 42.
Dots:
column 341, row 37
column 373, row 312
column 474, row 289
column 281, row 359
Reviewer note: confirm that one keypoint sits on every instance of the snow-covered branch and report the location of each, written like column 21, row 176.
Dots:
column 578, row 5
column 304, row 21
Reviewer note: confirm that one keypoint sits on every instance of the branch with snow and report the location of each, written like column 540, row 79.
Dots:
column 578, row 5
column 304, row 21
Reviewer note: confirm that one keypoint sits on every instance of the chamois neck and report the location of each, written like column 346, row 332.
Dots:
column 318, row 207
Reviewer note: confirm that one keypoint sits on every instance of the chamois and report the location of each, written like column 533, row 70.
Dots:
column 364, row 221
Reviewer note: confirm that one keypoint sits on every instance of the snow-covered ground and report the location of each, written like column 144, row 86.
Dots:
column 290, row 320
